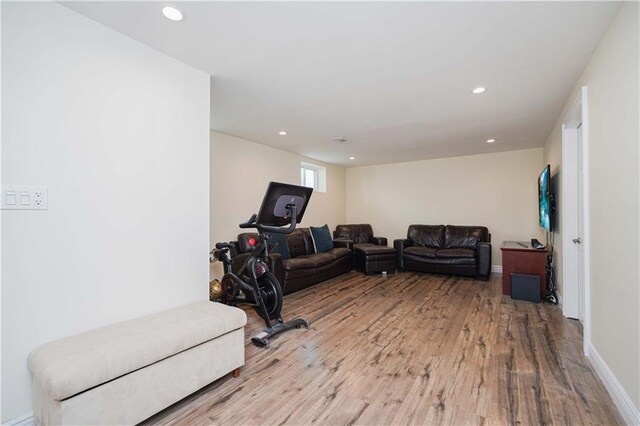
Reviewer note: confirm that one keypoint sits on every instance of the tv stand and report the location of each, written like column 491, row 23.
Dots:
column 522, row 257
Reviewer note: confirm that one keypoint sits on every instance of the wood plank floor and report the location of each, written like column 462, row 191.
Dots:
column 409, row 349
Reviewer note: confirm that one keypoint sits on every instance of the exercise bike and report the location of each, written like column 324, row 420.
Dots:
column 253, row 283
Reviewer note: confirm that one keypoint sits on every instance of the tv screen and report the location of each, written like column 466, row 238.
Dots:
column 544, row 199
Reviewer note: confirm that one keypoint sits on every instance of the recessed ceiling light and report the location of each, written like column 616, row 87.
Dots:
column 282, row 133
column 491, row 140
column 352, row 158
column 478, row 90
column 172, row 13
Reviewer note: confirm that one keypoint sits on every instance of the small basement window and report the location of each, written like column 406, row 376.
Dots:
column 313, row 176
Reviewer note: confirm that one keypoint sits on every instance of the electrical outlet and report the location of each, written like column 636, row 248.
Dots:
column 40, row 198
column 24, row 197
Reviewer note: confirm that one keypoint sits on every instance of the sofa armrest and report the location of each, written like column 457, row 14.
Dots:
column 341, row 242
column 379, row 241
column 400, row 245
column 483, row 260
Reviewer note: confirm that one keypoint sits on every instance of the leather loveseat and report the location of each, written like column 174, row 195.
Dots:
column 305, row 267
column 456, row 250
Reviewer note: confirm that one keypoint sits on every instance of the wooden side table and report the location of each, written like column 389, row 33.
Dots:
column 520, row 256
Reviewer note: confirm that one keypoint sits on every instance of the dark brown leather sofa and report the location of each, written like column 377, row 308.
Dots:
column 305, row 267
column 359, row 234
column 440, row 249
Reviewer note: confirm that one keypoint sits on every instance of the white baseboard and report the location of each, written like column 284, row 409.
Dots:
column 496, row 269
column 23, row 420
column 625, row 405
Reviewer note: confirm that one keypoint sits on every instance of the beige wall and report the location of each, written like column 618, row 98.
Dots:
column 614, row 195
column 119, row 133
column 240, row 173
column 495, row 190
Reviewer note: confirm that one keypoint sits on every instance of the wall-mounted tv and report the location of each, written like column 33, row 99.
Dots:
column 545, row 201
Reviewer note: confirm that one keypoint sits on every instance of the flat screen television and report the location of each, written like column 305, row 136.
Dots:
column 545, row 205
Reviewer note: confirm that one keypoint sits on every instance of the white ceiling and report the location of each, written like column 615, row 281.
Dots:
column 394, row 78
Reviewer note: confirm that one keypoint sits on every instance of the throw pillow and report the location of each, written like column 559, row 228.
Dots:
column 321, row 237
column 278, row 244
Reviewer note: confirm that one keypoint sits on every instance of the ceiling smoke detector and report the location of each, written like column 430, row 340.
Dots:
column 341, row 140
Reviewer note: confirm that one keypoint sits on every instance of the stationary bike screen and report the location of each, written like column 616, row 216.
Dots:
column 275, row 209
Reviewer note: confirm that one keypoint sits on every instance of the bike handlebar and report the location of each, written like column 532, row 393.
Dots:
column 251, row 223
column 221, row 246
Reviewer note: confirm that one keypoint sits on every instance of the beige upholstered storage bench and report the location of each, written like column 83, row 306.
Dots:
column 126, row 372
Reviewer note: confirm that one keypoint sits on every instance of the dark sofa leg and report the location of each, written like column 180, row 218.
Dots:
column 236, row 373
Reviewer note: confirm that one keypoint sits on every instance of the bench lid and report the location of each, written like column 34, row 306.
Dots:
column 71, row 365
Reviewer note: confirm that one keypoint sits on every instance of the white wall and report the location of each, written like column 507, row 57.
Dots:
column 612, row 77
column 495, row 190
column 120, row 135
column 240, row 173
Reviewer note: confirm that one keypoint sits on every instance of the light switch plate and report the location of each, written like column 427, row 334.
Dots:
column 24, row 197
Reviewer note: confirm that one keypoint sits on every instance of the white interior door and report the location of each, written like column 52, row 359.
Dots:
column 574, row 215
column 580, row 228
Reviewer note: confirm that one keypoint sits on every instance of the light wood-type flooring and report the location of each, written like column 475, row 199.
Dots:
column 409, row 348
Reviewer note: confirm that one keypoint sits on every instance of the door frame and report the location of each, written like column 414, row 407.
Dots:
column 577, row 114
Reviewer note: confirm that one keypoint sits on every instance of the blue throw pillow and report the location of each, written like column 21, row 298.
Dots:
column 321, row 237
column 278, row 244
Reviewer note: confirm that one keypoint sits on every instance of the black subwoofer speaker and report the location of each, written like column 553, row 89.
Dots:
column 525, row 287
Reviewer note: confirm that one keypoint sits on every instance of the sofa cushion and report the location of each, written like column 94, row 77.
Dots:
column 339, row 252
column 321, row 238
column 278, row 244
column 464, row 236
column 297, row 244
column 321, row 259
column 71, row 365
column 463, row 261
column 310, row 261
column 419, row 251
column 296, row 263
column 358, row 233
column 426, row 235
column 455, row 253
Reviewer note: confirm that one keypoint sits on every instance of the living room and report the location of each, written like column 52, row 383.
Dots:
column 156, row 159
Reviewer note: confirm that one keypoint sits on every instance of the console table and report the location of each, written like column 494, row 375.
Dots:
column 520, row 256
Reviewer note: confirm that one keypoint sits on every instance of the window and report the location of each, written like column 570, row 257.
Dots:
column 309, row 176
column 313, row 176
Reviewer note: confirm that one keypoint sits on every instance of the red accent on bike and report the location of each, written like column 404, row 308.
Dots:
column 260, row 269
column 252, row 242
